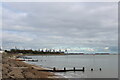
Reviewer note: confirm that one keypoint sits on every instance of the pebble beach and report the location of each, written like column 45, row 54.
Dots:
column 18, row 69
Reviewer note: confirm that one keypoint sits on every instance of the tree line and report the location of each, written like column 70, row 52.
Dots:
column 30, row 51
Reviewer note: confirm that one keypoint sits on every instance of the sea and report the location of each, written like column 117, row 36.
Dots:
column 107, row 63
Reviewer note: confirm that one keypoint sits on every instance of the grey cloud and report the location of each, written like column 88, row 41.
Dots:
column 65, row 24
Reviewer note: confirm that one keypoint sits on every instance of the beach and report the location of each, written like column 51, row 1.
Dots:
column 17, row 69
column 13, row 69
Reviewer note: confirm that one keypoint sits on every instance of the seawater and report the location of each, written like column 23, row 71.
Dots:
column 108, row 64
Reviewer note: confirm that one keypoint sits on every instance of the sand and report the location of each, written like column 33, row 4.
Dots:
column 18, row 69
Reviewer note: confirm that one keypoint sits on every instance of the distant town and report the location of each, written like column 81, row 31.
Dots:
column 48, row 51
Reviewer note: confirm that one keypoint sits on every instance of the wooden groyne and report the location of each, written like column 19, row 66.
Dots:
column 64, row 70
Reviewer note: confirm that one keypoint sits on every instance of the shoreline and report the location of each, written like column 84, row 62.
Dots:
column 62, row 54
column 17, row 69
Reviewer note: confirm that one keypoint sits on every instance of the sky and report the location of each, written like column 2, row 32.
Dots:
column 77, row 26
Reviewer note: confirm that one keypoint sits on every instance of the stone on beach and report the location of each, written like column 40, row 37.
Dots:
column 18, row 69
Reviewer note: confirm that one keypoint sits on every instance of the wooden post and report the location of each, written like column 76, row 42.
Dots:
column 74, row 68
column 83, row 69
column 91, row 69
column 64, row 69
column 54, row 69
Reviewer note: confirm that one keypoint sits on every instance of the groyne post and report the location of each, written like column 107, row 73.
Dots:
column 64, row 68
column 83, row 69
column 54, row 69
column 91, row 69
column 74, row 68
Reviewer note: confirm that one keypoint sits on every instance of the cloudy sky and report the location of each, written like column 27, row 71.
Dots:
column 79, row 27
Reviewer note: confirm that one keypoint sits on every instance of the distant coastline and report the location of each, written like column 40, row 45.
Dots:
column 51, row 52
